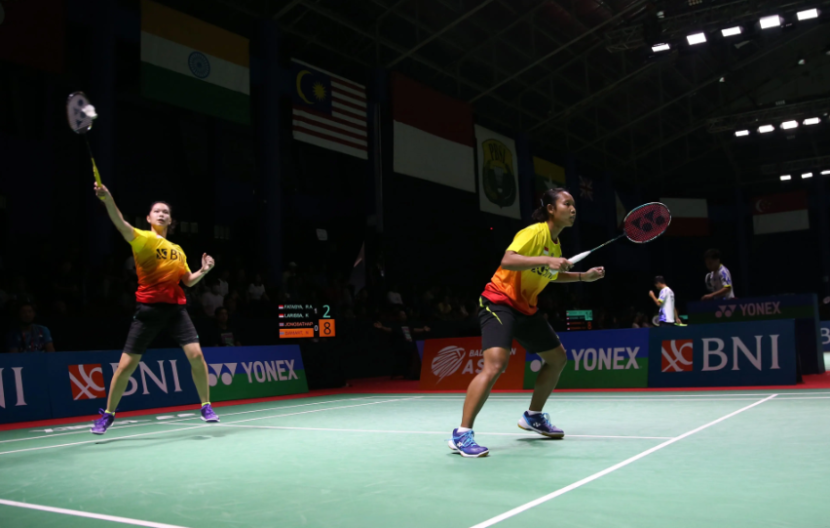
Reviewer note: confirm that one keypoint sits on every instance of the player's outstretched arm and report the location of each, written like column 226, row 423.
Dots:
column 115, row 215
column 592, row 275
column 192, row 279
column 513, row 261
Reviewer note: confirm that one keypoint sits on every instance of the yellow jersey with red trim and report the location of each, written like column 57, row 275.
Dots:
column 160, row 265
column 520, row 289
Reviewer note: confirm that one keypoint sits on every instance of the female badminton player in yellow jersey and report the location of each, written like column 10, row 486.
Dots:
column 508, row 310
column 160, row 266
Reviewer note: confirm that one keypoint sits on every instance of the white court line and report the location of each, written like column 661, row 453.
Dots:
column 554, row 400
column 445, row 433
column 76, row 513
column 100, row 439
column 150, row 422
column 805, row 398
column 595, row 476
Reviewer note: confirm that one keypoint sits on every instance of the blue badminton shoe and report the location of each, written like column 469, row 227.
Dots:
column 208, row 415
column 103, row 423
column 540, row 423
column 465, row 445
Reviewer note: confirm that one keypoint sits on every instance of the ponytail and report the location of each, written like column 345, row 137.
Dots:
column 548, row 198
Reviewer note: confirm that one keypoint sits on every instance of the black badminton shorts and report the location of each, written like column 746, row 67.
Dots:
column 150, row 319
column 500, row 324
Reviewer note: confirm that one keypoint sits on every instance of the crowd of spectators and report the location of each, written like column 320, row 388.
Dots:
column 236, row 305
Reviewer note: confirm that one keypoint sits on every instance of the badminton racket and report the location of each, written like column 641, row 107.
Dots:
column 643, row 224
column 80, row 114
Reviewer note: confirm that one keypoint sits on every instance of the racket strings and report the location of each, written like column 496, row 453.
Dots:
column 647, row 223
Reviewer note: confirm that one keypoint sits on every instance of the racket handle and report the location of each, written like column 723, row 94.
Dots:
column 97, row 176
column 577, row 258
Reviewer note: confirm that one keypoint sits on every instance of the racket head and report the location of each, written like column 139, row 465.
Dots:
column 79, row 122
column 647, row 222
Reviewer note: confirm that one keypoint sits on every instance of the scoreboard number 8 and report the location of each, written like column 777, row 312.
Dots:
column 327, row 328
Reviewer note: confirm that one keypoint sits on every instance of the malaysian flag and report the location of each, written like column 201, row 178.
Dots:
column 329, row 111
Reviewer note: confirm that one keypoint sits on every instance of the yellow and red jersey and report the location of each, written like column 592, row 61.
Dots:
column 519, row 289
column 160, row 265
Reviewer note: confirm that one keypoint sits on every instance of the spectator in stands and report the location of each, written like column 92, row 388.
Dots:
column 640, row 321
column 223, row 282
column 289, row 273
column 66, row 288
column 403, row 344
column 232, row 305
column 28, row 336
column 394, row 297
column 718, row 280
column 668, row 314
column 222, row 333
column 256, row 290
column 212, row 299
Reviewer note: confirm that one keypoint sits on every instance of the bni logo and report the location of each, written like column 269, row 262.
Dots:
column 87, row 382
column 677, row 355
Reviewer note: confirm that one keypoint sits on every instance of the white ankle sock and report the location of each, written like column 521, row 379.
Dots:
column 463, row 429
column 533, row 413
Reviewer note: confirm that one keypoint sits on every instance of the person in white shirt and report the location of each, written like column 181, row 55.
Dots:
column 256, row 290
column 212, row 299
column 668, row 314
column 718, row 280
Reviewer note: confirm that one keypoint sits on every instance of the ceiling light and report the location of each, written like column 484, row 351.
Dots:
column 802, row 61
column 812, row 121
column 786, row 177
column 825, row 173
column 806, row 175
column 697, row 38
column 771, row 22
column 731, row 32
column 765, row 128
column 741, row 133
column 808, row 14
column 787, row 125
column 660, row 47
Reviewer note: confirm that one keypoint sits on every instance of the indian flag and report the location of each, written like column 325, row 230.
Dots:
column 193, row 64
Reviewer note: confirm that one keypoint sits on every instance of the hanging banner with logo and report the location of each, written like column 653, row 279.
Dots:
column 599, row 359
column 450, row 364
column 723, row 355
column 79, row 381
column 24, row 390
column 825, row 336
column 498, row 170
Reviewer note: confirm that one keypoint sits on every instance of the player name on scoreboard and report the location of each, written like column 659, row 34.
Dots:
column 579, row 319
column 299, row 321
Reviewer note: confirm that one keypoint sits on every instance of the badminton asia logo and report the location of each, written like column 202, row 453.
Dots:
column 725, row 311
column 677, row 355
column 87, row 382
column 448, row 361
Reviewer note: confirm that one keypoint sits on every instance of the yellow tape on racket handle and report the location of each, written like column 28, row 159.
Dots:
column 97, row 177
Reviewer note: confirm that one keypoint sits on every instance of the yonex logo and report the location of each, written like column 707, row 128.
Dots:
column 725, row 311
column 447, row 361
column 223, row 371
column 87, row 382
column 677, row 355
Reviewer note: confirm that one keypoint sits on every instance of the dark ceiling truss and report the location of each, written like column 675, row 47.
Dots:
column 714, row 17
column 765, row 116
column 542, row 67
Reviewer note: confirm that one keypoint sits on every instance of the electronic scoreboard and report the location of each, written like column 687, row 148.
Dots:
column 579, row 319
column 299, row 321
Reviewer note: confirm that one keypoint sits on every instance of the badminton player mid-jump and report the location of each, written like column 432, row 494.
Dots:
column 160, row 266
column 508, row 310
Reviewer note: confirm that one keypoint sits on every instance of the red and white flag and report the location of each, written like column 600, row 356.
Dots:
column 434, row 136
column 779, row 213
column 689, row 216
column 329, row 111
